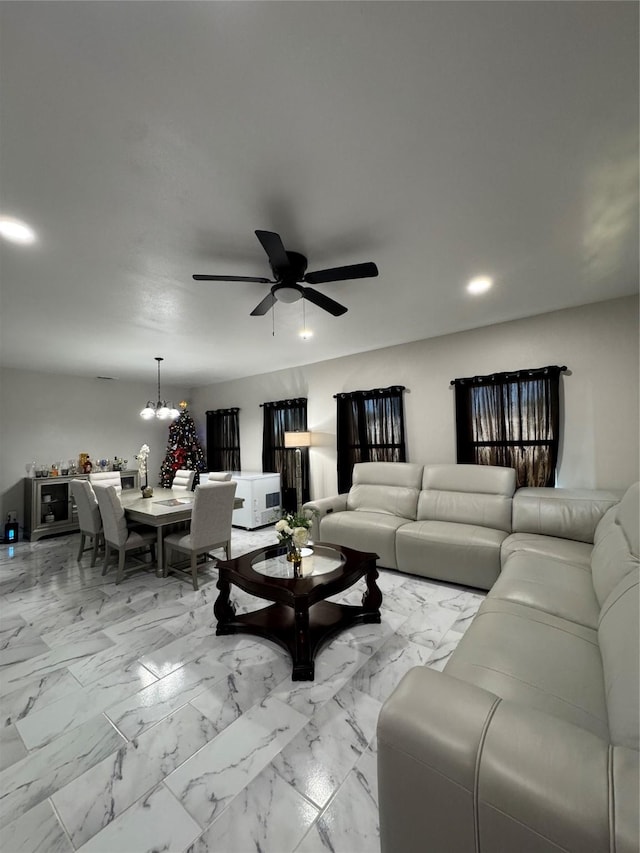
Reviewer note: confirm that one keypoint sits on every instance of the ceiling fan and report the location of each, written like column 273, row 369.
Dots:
column 289, row 272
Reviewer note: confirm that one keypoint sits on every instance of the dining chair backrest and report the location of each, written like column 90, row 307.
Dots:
column 114, row 522
column 89, row 518
column 183, row 480
column 212, row 513
column 107, row 478
column 219, row 476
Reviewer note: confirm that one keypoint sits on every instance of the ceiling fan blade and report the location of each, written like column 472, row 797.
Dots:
column 262, row 307
column 368, row 270
column 276, row 252
column 232, row 278
column 323, row 301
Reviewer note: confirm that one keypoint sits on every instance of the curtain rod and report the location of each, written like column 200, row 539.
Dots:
column 390, row 389
column 511, row 374
column 296, row 401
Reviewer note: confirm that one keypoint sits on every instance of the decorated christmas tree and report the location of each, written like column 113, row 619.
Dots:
column 183, row 449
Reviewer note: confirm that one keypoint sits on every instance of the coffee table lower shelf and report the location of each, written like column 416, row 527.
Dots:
column 301, row 633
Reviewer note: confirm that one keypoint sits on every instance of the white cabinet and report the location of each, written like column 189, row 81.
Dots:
column 261, row 493
column 49, row 507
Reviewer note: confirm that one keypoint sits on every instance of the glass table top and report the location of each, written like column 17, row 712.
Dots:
column 315, row 562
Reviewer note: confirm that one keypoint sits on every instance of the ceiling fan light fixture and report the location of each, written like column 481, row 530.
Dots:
column 283, row 293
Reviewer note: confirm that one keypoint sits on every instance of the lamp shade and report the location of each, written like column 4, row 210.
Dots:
column 297, row 439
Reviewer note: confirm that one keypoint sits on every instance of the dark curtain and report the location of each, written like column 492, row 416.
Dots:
column 280, row 417
column 511, row 419
column 370, row 427
column 223, row 440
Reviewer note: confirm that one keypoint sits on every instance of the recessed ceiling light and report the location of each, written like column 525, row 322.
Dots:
column 16, row 231
column 480, row 284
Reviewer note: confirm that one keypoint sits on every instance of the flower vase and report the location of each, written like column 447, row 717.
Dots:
column 294, row 556
column 146, row 491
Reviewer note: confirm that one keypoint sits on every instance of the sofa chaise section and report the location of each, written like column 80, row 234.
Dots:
column 528, row 740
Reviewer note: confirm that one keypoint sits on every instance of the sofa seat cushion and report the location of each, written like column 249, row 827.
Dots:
column 547, row 546
column 364, row 531
column 458, row 553
column 536, row 660
column 555, row 586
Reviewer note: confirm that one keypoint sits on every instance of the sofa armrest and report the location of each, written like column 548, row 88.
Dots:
column 322, row 507
column 429, row 734
column 458, row 767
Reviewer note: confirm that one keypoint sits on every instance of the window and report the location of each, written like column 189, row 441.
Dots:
column 223, row 440
column 511, row 419
column 280, row 417
column 370, row 426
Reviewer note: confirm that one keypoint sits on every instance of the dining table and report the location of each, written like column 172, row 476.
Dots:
column 162, row 510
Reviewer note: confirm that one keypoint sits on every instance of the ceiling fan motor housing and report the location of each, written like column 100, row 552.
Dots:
column 294, row 271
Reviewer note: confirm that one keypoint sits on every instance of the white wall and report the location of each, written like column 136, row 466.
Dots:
column 47, row 417
column 599, row 396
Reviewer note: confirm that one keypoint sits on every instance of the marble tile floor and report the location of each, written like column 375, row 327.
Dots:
column 128, row 726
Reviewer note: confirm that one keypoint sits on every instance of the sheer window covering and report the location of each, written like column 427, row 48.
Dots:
column 511, row 419
column 279, row 417
column 223, row 440
column 370, row 428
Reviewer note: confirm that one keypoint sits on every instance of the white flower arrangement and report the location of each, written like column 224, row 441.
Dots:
column 142, row 457
column 294, row 529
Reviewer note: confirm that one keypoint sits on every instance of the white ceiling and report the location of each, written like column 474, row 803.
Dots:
column 146, row 141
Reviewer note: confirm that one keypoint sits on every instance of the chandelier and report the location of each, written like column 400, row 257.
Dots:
column 162, row 410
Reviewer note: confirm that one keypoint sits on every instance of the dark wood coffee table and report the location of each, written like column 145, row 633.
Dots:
column 300, row 619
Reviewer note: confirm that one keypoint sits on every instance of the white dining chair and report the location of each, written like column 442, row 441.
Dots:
column 219, row 476
column 183, row 480
column 210, row 527
column 106, row 478
column 89, row 518
column 117, row 535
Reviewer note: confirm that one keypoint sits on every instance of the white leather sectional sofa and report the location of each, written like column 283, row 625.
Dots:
column 446, row 522
column 528, row 740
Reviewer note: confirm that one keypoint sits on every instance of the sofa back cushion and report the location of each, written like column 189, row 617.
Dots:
column 468, row 494
column 616, row 547
column 619, row 643
column 565, row 513
column 386, row 487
